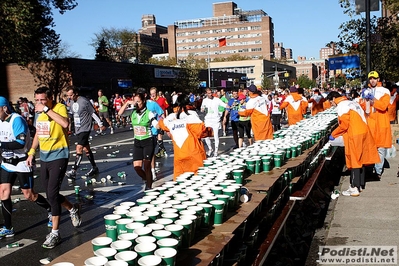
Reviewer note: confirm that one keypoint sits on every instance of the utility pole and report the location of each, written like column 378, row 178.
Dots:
column 368, row 44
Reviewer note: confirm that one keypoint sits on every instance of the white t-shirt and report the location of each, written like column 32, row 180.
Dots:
column 211, row 107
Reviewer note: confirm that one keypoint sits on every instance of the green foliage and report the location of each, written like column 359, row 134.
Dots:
column 27, row 33
column 338, row 81
column 384, row 40
column 305, row 82
column 234, row 57
column 102, row 51
column 266, row 83
column 163, row 61
column 188, row 77
column 122, row 45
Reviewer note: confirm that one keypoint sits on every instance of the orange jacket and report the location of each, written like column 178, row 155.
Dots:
column 392, row 105
column 360, row 148
column 317, row 104
column 296, row 107
column 188, row 148
column 326, row 105
column 378, row 119
column 261, row 124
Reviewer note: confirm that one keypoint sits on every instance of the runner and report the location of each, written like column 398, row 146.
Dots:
column 83, row 113
column 52, row 136
column 14, row 143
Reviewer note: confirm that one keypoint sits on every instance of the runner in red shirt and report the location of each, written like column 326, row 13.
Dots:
column 118, row 102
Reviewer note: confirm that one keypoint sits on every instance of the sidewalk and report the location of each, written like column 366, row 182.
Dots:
column 372, row 219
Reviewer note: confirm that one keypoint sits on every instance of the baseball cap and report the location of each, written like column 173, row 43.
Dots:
column 4, row 102
column 252, row 88
column 293, row 89
column 241, row 97
column 373, row 74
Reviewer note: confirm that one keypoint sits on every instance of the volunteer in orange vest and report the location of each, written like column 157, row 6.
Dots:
column 257, row 109
column 360, row 148
column 317, row 101
column 392, row 102
column 186, row 130
column 378, row 119
column 295, row 105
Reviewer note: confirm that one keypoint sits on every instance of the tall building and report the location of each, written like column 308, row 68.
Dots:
column 247, row 33
column 288, row 53
column 325, row 52
column 279, row 50
column 153, row 36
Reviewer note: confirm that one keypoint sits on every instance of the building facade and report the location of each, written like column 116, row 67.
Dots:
column 247, row 33
column 253, row 71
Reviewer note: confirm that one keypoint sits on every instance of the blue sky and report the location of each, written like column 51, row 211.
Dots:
column 305, row 26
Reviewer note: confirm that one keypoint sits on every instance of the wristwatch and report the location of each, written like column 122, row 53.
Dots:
column 45, row 109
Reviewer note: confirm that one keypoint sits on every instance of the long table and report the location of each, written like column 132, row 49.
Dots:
column 263, row 216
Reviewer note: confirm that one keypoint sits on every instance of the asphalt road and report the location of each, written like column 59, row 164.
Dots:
column 113, row 154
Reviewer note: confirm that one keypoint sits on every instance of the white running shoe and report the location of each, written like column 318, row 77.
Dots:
column 352, row 191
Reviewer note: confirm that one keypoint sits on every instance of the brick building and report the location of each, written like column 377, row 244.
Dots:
column 248, row 33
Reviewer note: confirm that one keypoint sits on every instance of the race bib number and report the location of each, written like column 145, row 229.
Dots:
column 140, row 131
column 43, row 129
column 76, row 120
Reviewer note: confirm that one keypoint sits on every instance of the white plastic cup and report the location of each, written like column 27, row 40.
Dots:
column 109, row 253
column 150, row 260
column 96, row 261
column 127, row 256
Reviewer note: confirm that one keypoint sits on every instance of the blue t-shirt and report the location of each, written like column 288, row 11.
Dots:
column 154, row 107
column 233, row 103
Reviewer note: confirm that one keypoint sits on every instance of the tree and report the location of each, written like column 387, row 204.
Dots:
column 54, row 74
column 266, row 83
column 384, row 39
column 62, row 51
column 305, row 82
column 123, row 45
column 102, row 51
column 188, row 79
column 163, row 61
column 27, row 32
